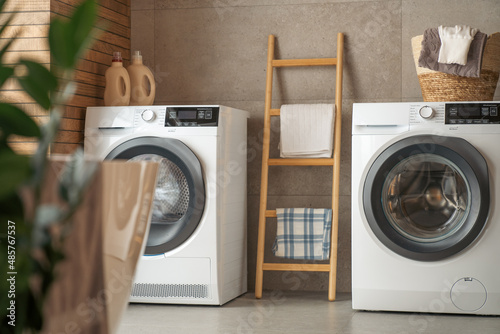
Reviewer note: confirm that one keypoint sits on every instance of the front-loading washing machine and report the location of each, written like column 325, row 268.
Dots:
column 196, row 248
column 425, row 212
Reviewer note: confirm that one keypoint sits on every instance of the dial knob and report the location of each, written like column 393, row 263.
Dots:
column 426, row 112
column 148, row 115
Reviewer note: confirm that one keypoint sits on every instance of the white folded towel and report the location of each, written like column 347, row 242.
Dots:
column 455, row 43
column 306, row 130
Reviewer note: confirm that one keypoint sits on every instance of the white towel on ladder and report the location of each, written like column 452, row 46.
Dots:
column 306, row 130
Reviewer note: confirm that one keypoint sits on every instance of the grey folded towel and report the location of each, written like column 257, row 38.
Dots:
column 430, row 53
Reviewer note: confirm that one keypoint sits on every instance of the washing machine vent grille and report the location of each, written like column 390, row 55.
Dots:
column 170, row 290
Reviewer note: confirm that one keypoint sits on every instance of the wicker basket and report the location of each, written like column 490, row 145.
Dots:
column 438, row 86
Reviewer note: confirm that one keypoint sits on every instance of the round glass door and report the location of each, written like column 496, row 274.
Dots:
column 427, row 197
column 179, row 199
column 171, row 200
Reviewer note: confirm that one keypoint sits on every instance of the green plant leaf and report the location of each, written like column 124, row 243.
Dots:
column 41, row 75
column 38, row 83
column 2, row 3
column 5, row 73
column 81, row 25
column 14, row 170
column 15, row 121
column 68, row 39
column 11, row 208
column 60, row 46
column 6, row 47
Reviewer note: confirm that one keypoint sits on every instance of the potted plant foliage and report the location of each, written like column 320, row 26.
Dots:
column 29, row 253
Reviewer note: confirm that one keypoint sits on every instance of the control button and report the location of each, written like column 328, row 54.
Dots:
column 208, row 114
column 201, row 114
column 426, row 112
column 454, row 111
column 148, row 115
column 461, row 121
column 454, row 121
column 469, row 121
column 493, row 111
column 485, row 121
column 477, row 121
column 485, row 111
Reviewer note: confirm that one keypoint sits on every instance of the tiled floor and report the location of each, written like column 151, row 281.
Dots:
column 294, row 312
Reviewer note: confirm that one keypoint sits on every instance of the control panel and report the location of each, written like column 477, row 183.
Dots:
column 191, row 116
column 472, row 113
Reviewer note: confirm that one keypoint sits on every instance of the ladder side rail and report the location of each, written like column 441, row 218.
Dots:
column 336, row 169
column 265, row 169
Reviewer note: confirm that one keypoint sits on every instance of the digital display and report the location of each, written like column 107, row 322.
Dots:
column 472, row 113
column 469, row 112
column 186, row 114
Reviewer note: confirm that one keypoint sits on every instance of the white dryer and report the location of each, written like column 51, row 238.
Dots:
column 196, row 248
column 425, row 208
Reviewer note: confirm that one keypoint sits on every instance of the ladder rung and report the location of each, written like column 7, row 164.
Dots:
column 296, row 267
column 301, row 162
column 274, row 112
column 304, row 62
column 271, row 214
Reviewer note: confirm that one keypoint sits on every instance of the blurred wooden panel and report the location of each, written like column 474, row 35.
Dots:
column 24, row 147
column 90, row 78
column 31, row 25
column 114, row 16
column 41, row 56
column 75, row 112
column 40, row 30
column 70, row 137
column 30, row 44
column 64, row 148
column 27, row 5
column 24, row 18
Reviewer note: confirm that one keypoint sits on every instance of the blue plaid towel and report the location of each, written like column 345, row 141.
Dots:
column 303, row 233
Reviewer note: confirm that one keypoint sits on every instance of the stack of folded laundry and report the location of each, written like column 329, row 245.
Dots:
column 454, row 50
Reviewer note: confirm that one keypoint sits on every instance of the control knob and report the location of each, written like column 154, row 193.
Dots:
column 148, row 115
column 426, row 112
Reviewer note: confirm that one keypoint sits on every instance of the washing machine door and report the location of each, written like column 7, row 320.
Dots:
column 180, row 192
column 427, row 197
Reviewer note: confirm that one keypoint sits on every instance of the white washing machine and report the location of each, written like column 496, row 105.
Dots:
column 196, row 248
column 425, row 209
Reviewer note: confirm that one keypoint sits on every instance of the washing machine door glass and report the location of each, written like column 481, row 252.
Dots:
column 171, row 201
column 179, row 200
column 427, row 197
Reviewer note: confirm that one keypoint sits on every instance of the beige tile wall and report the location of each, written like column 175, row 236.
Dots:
column 214, row 51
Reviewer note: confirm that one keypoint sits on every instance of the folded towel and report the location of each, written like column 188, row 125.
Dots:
column 306, row 130
column 430, row 52
column 455, row 43
column 303, row 233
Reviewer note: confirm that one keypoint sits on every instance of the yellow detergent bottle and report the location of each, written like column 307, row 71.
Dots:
column 142, row 91
column 117, row 91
